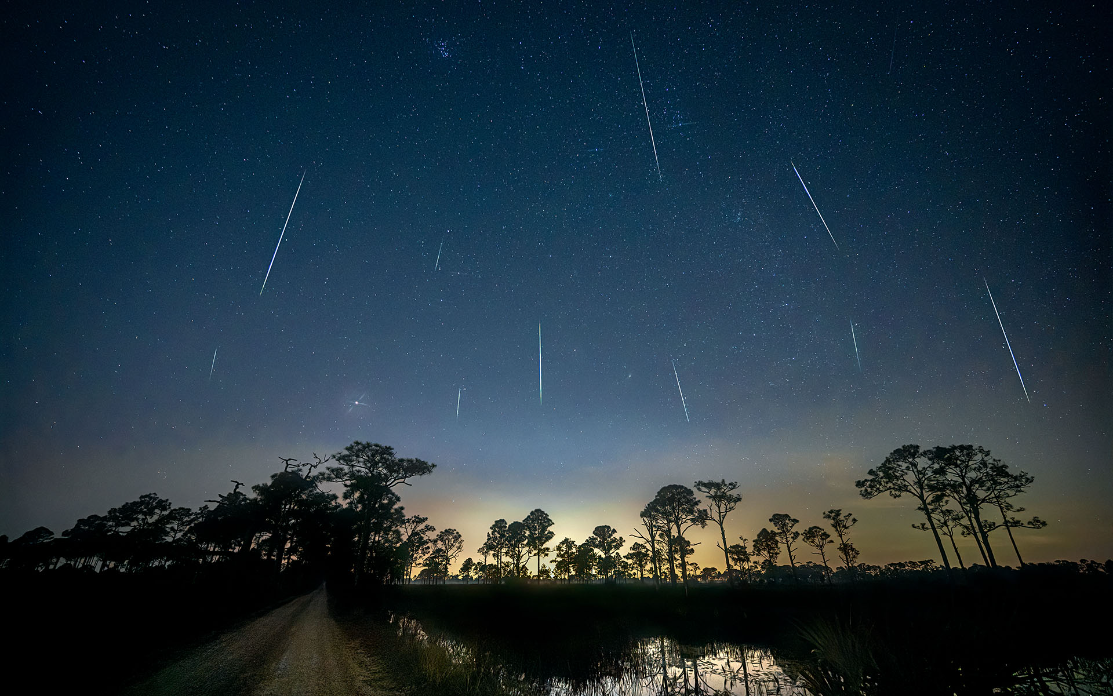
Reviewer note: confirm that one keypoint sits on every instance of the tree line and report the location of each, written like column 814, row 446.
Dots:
column 955, row 487
column 294, row 523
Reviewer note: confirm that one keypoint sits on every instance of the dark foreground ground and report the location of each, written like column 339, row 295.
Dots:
column 98, row 633
column 910, row 636
column 296, row 648
column 164, row 635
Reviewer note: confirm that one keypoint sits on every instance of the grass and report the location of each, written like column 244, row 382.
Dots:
column 912, row 637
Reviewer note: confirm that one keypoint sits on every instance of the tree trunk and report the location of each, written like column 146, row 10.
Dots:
column 977, row 539
column 683, row 564
column 726, row 556
column 957, row 554
column 364, row 541
column 926, row 509
column 985, row 537
column 1009, row 529
column 672, row 556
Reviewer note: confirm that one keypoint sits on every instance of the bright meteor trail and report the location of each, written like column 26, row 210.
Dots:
column 682, row 401
column 213, row 367
column 855, row 339
column 283, row 232
column 814, row 205
column 1007, row 341
column 651, row 140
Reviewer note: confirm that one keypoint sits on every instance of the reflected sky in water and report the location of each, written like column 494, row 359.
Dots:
column 662, row 666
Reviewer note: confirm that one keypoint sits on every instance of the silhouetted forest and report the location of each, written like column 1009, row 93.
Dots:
column 145, row 579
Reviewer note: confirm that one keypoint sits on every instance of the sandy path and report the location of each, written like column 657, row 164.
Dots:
column 295, row 649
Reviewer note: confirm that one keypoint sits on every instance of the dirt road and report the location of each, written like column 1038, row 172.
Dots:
column 295, row 649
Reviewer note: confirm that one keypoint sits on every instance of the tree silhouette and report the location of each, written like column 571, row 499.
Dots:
column 496, row 544
column 467, row 568
column 678, row 508
column 415, row 541
column 653, row 523
column 768, row 547
column 740, row 557
column 564, row 567
column 721, row 501
column 971, row 477
column 138, row 528
column 1010, row 523
column 841, row 524
column 606, row 540
column 516, row 549
column 446, row 547
column 370, row 472
column 1007, row 486
column 584, row 562
column 782, row 530
column 284, row 502
column 87, row 541
column 819, row 539
column 638, row 556
column 908, row 471
column 947, row 522
column 486, row 551
column 33, row 550
column 228, row 530
column 538, row 533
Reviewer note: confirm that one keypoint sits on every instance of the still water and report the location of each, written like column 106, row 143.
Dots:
column 662, row 666
column 650, row 666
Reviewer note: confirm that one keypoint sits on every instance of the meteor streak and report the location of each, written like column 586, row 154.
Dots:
column 814, row 205
column 855, row 339
column 640, row 84
column 437, row 265
column 1007, row 340
column 682, row 401
column 459, row 392
column 283, row 232
column 213, row 367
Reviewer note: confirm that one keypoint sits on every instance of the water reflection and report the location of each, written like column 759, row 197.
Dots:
column 662, row 666
column 657, row 666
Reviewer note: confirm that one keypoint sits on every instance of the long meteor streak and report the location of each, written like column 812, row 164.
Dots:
column 682, row 401
column 540, row 392
column 1002, row 325
column 437, row 265
column 855, row 339
column 213, row 367
column 814, row 205
column 283, row 232
column 459, row 392
column 640, row 84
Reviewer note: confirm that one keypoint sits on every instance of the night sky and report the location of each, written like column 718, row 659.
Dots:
column 475, row 169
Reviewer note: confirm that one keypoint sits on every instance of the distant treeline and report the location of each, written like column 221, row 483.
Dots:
column 290, row 525
column 294, row 525
column 957, row 488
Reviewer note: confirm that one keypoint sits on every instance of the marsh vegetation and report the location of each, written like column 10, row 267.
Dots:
column 877, row 637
